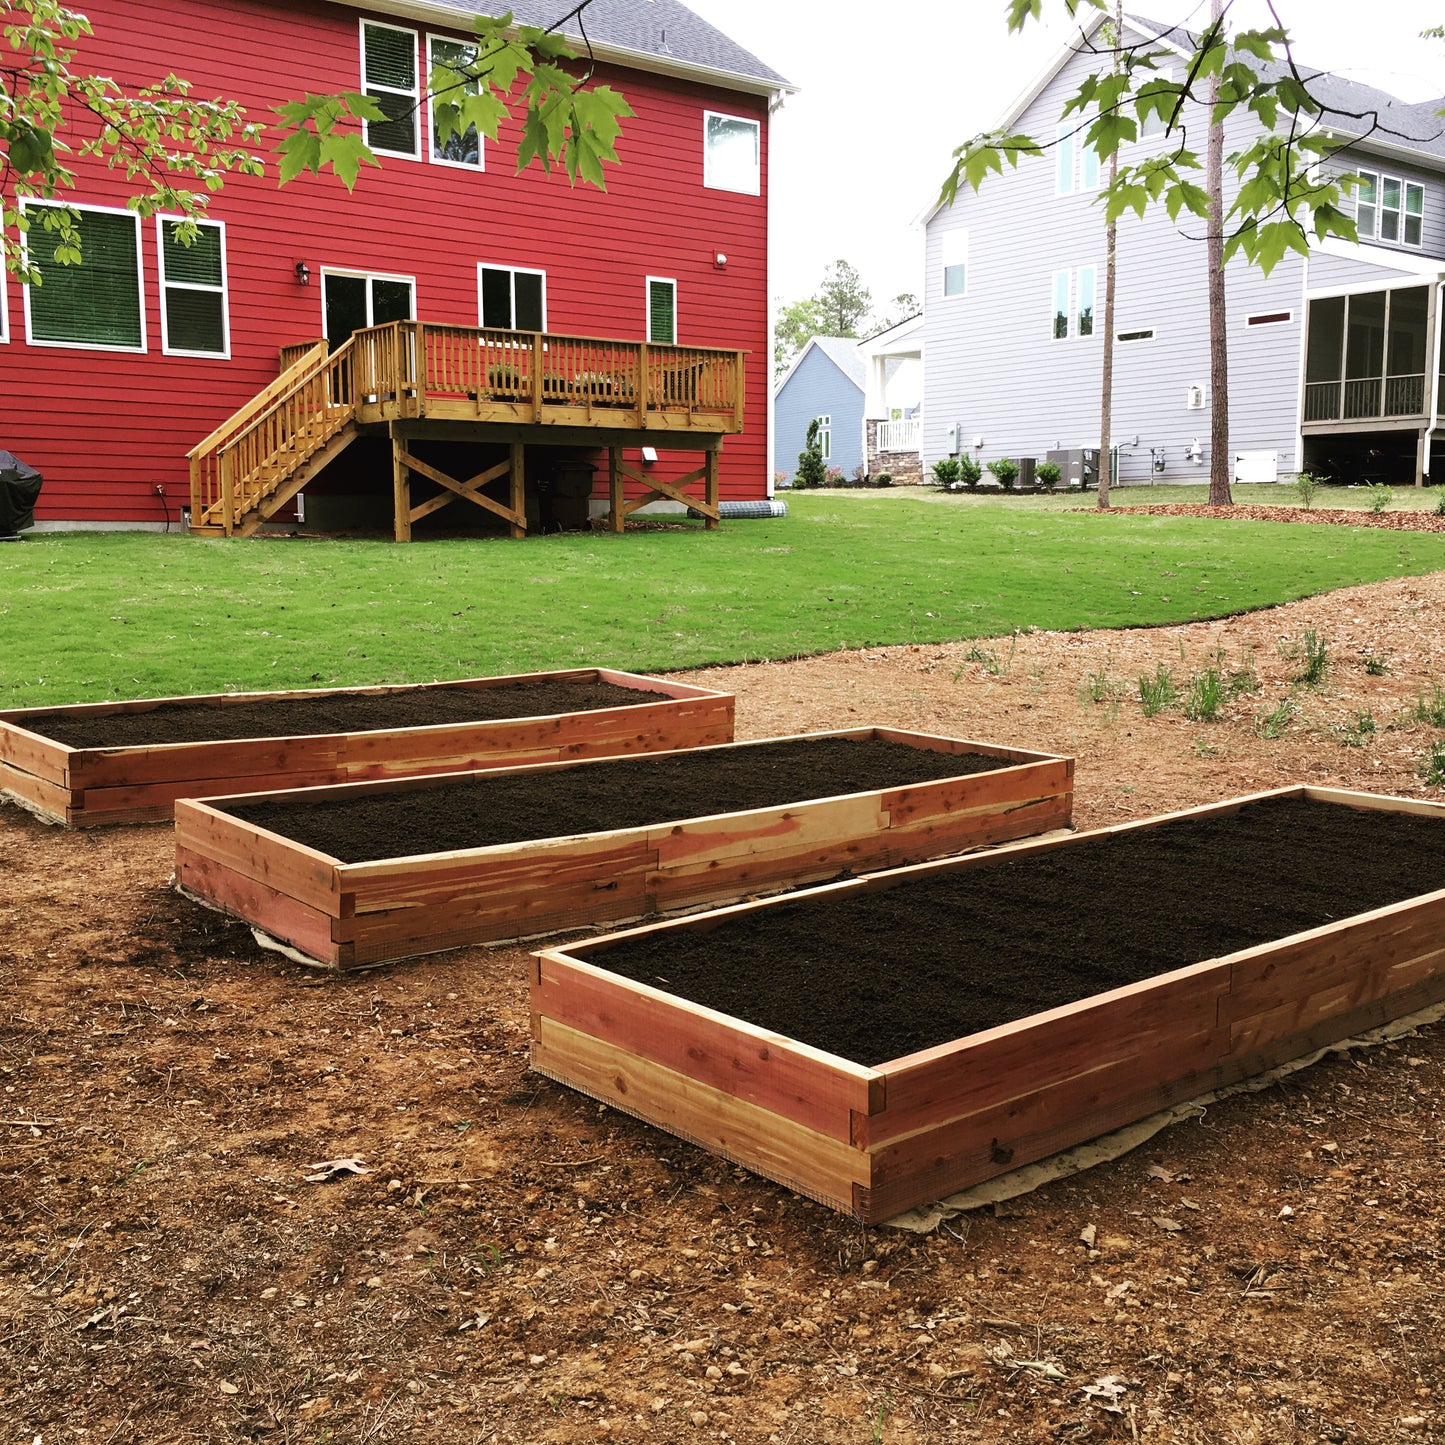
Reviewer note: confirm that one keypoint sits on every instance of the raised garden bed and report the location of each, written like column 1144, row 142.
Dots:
column 531, row 850
column 128, row 762
column 880, row 1043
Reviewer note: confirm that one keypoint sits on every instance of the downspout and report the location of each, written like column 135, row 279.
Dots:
column 775, row 104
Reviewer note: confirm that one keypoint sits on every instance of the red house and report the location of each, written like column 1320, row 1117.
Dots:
column 451, row 331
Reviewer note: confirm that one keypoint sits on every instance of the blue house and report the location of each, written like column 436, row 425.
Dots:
column 826, row 383
column 1335, row 361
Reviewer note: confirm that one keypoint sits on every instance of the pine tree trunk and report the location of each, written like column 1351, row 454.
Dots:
column 1219, row 455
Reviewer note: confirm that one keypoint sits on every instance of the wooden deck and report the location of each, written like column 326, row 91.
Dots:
column 513, row 387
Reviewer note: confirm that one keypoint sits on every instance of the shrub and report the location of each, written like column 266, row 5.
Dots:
column 1376, row 666
column 1380, row 497
column 1049, row 475
column 812, row 469
column 1006, row 472
column 833, row 477
column 1440, row 505
column 1204, row 702
column 969, row 472
column 1157, row 692
column 883, row 479
column 947, row 471
column 1305, row 487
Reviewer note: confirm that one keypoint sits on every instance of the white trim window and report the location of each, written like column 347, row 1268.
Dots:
column 662, row 310
column 953, row 250
column 1088, row 286
column 98, row 302
column 460, row 149
column 825, row 436
column 352, row 300
column 195, row 307
column 511, row 298
column 1390, row 209
column 4, row 302
column 1088, row 160
column 1060, row 325
column 1065, row 150
column 732, row 153
column 390, row 76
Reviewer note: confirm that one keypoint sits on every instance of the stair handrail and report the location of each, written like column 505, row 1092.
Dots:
column 314, row 358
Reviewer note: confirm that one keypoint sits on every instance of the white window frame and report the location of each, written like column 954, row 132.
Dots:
column 29, row 202
column 367, row 276
column 481, row 162
column 415, row 92
column 1078, row 290
column 1066, row 159
column 953, row 243
column 1135, row 335
column 825, row 435
column 1085, row 149
column 224, row 354
column 514, row 272
column 647, row 310
column 1069, row 327
column 707, row 179
column 1376, row 233
column 4, row 300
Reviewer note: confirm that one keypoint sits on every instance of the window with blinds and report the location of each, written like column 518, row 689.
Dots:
column 662, row 310
column 389, row 77
column 193, row 290
column 95, row 302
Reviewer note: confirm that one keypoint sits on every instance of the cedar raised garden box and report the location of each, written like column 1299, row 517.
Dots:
column 881, row 1043
column 599, row 842
column 364, row 733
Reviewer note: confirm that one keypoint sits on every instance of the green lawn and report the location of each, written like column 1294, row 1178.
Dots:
column 86, row 616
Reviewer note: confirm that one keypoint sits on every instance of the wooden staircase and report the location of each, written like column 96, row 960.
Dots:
column 257, row 460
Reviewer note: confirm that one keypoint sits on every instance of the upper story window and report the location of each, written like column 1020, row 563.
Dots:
column 732, row 158
column 1064, row 154
column 193, row 290
column 1088, row 164
column 1389, row 209
column 662, row 310
column 955, row 263
column 96, row 302
column 354, row 300
column 512, row 299
column 389, row 75
column 456, row 150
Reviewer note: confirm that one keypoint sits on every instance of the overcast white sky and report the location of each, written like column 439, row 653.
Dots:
column 863, row 146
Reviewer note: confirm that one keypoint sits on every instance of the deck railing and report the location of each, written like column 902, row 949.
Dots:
column 900, row 436
column 1359, row 398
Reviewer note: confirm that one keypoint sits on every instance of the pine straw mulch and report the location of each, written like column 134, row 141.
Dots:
column 1327, row 516
column 522, row 1265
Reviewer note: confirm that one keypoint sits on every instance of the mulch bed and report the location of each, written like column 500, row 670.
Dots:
column 193, row 722
column 626, row 793
column 1329, row 516
column 876, row 976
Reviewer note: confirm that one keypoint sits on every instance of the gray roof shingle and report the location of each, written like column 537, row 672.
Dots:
column 842, row 351
column 665, row 30
column 1349, row 107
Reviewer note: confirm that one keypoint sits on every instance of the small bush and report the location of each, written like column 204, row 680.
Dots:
column 969, row 472
column 1204, row 702
column 1380, row 497
column 1376, row 666
column 1273, row 723
column 1049, row 475
column 1157, row 692
column 1430, row 709
column 883, row 479
column 1005, row 471
column 1305, row 487
column 1314, row 654
column 812, row 469
column 946, row 471
column 1440, row 505
column 1432, row 767
column 833, row 477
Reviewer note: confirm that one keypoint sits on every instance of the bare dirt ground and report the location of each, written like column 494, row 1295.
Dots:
column 522, row 1265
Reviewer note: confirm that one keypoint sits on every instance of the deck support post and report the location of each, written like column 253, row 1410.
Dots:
column 617, row 516
column 401, row 489
column 228, row 493
column 710, row 488
column 517, row 477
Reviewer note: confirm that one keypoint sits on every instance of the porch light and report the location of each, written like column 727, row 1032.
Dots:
column 303, row 274
column 720, row 260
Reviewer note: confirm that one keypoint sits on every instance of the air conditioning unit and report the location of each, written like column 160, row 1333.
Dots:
column 1194, row 398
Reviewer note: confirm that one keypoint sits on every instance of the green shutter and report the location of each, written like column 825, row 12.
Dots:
column 662, row 312
column 96, row 302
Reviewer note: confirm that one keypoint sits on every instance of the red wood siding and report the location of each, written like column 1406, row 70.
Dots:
column 106, row 427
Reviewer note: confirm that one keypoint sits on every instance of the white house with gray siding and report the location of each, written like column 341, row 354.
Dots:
column 1335, row 361
column 826, row 383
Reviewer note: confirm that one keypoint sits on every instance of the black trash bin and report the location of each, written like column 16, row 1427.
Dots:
column 20, row 487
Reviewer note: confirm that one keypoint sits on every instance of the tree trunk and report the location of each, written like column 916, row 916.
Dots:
column 1111, row 255
column 1219, row 455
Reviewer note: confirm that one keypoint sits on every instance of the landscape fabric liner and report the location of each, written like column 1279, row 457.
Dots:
column 199, row 722
column 638, row 792
column 875, row 976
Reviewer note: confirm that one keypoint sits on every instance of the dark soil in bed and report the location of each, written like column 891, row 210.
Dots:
column 880, row 975
column 198, row 722
column 594, row 797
